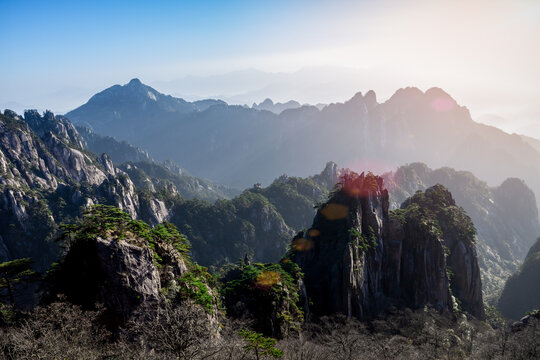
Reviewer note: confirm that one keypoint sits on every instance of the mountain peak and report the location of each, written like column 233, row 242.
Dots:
column 267, row 102
column 370, row 98
column 135, row 82
column 437, row 92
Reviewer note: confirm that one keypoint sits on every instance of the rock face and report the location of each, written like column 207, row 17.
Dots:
column 47, row 177
column 506, row 216
column 121, row 274
column 131, row 279
column 455, row 230
column 359, row 259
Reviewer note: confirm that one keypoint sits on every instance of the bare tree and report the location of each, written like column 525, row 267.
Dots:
column 57, row 331
column 181, row 331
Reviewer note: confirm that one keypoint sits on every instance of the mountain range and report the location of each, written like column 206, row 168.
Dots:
column 398, row 240
column 241, row 146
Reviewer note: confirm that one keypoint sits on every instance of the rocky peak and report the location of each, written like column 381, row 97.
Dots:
column 457, row 234
column 404, row 95
column 46, row 174
column 357, row 98
column 330, row 173
column 267, row 102
column 511, row 190
column 134, row 82
column 371, row 99
column 358, row 259
column 107, row 163
column 49, row 123
column 127, row 266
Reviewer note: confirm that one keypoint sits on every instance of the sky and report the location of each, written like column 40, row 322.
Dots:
column 56, row 54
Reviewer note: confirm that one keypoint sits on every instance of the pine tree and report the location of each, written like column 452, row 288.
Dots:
column 13, row 273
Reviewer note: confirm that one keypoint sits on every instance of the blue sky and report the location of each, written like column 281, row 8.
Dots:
column 60, row 36
column 56, row 54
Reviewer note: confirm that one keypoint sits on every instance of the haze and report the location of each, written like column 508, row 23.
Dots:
column 484, row 53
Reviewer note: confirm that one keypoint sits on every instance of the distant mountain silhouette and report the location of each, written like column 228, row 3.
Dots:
column 277, row 108
column 240, row 146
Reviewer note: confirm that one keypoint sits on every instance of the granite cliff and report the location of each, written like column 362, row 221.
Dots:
column 47, row 177
column 505, row 216
column 359, row 259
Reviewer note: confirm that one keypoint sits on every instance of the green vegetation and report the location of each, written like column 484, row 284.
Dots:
column 434, row 210
column 294, row 199
column 227, row 230
column 270, row 293
column 168, row 247
column 110, row 222
column 262, row 346
column 196, row 285
column 263, row 277
column 14, row 273
column 364, row 242
column 104, row 221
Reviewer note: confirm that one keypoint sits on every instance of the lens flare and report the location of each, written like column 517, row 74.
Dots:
column 302, row 244
column 442, row 104
column 335, row 211
column 267, row 279
column 314, row 233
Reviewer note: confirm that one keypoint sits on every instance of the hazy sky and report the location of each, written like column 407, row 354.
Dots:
column 55, row 54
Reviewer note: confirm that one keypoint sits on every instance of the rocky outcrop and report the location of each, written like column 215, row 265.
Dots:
column 270, row 295
column 122, row 274
column 128, row 267
column 530, row 319
column 358, row 258
column 506, row 216
column 130, row 277
column 329, row 176
column 456, row 233
column 48, row 177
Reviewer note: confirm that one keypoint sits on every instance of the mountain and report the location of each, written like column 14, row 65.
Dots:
column 48, row 177
column 258, row 223
column 506, row 216
column 152, row 176
column 521, row 293
column 359, row 259
column 276, row 108
column 149, row 174
column 133, row 103
column 240, row 146
column 535, row 143
column 119, row 151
